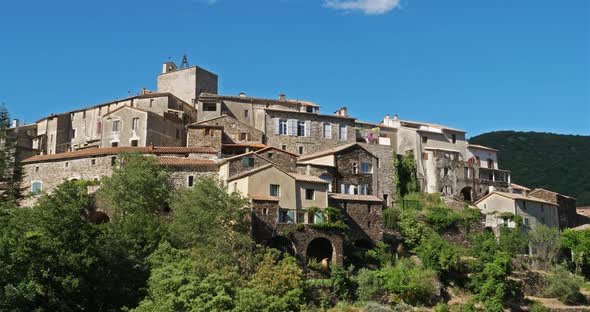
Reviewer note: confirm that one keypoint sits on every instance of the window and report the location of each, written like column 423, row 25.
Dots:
column 36, row 187
column 328, row 178
column 93, row 161
column 342, row 132
column 369, row 224
column 37, row 169
column 368, row 208
column 67, row 164
column 284, row 147
column 309, row 194
column 301, row 150
column 269, row 155
column 310, row 218
column 116, row 124
column 344, row 188
column 73, row 133
column 424, row 139
column 243, row 136
column 424, row 156
column 206, row 132
column 466, row 172
column 135, row 124
column 246, row 114
column 301, row 217
column 151, row 102
column 526, row 221
column 51, row 139
column 446, row 171
column 265, row 211
column 282, row 127
column 364, row 189
column 275, row 190
column 134, row 142
column 209, row 107
column 366, row 168
column 300, row 128
column 524, row 205
column 247, row 161
column 454, row 138
column 113, row 161
column 355, row 168
column 490, row 164
column 191, row 181
column 114, row 144
column 353, row 190
column 83, row 114
column 327, row 130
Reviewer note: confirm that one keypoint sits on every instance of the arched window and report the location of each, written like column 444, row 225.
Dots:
column 36, row 187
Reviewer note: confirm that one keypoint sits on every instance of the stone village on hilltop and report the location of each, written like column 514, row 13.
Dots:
column 289, row 159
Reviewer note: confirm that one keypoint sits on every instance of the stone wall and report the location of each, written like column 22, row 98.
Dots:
column 566, row 206
column 235, row 165
column 204, row 135
column 283, row 160
column 179, row 176
column 232, row 130
column 265, row 214
column 315, row 142
column 345, row 162
column 385, row 173
column 302, row 239
column 364, row 219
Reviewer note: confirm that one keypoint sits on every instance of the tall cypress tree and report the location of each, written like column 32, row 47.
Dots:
column 8, row 179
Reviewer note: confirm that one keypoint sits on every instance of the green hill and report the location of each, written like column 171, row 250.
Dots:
column 557, row 162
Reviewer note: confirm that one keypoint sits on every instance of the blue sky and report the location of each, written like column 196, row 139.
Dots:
column 471, row 64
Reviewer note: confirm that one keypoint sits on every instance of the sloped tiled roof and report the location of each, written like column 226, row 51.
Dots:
column 186, row 162
column 117, row 150
column 248, row 98
column 332, row 151
column 548, row 191
column 249, row 172
column 263, row 197
column 516, row 197
column 481, row 147
column 365, row 198
column 307, row 178
column 520, row 187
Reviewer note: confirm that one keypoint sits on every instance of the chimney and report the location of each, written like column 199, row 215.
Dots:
column 395, row 117
column 282, row 97
column 344, row 111
column 242, row 94
column 387, row 117
column 15, row 123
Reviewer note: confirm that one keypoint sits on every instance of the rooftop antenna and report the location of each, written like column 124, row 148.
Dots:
column 184, row 63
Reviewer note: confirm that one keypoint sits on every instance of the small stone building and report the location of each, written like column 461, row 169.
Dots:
column 566, row 206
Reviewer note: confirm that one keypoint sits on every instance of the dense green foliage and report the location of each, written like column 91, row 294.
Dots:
column 405, row 174
column 191, row 250
column 536, row 159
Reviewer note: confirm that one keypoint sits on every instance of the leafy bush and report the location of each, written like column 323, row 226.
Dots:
column 370, row 286
column 409, row 282
column 565, row 286
column 391, row 218
column 438, row 254
column 441, row 307
column 538, row 307
column 441, row 218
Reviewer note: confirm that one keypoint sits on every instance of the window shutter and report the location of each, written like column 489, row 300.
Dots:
column 290, row 216
column 342, row 188
column 308, row 128
column 319, row 217
column 344, row 133
column 291, row 127
column 277, row 126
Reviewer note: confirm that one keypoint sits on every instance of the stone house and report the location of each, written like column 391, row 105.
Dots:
column 446, row 163
column 353, row 185
column 566, row 206
column 43, row 173
column 501, row 208
column 234, row 138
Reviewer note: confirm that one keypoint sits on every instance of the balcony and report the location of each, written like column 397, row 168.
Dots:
column 497, row 177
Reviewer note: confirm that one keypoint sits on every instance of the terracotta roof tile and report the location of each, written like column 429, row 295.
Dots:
column 332, row 151
column 371, row 198
column 186, row 162
column 248, row 98
column 117, row 150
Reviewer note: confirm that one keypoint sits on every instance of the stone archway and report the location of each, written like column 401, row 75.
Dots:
column 320, row 248
column 282, row 244
column 466, row 194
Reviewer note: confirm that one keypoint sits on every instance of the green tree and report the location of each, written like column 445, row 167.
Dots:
column 405, row 178
column 578, row 243
column 138, row 185
column 545, row 244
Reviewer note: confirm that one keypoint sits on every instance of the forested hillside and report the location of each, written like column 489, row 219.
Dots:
column 557, row 162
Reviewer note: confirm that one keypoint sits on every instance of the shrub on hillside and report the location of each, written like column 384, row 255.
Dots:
column 410, row 283
column 565, row 286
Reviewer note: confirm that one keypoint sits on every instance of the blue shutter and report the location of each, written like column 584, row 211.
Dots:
column 290, row 216
column 319, row 217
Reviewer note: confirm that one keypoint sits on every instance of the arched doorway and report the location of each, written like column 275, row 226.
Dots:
column 282, row 244
column 466, row 194
column 320, row 248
